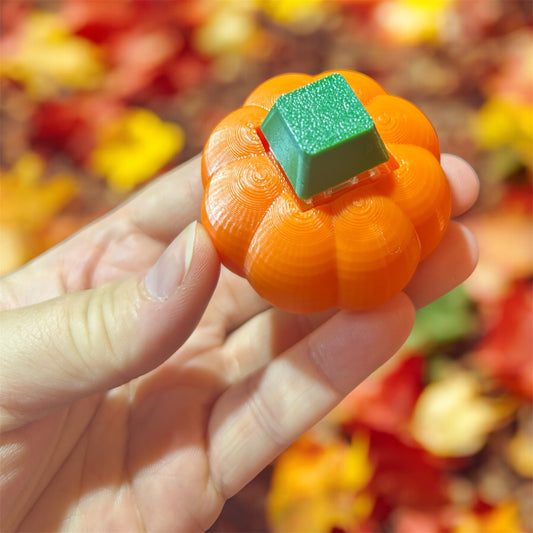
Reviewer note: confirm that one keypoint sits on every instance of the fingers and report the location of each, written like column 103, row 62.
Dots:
column 449, row 265
column 154, row 216
column 269, row 333
column 165, row 207
column 456, row 256
column 256, row 419
column 464, row 183
column 58, row 351
column 269, row 408
column 234, row 302
column 266, row 335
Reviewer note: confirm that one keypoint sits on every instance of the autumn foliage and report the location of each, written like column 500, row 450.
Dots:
column 96, row 98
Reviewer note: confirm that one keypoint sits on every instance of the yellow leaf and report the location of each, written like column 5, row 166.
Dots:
column 230, row 28
column 452, row 418
column 27, row 205
column 27, row 201
column 413, row 21
column 300, row 12
column 134, row 147
column 520, row 453
column 48, row 58
column 504, row 518
column 14, row 253
column 317, row 486
column 505, row 123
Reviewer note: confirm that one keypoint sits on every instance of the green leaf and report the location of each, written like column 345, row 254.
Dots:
column 448, row 319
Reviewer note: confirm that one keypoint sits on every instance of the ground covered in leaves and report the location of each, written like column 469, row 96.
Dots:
column 100, row 97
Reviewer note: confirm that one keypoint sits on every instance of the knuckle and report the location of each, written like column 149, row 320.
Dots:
column 93, row 329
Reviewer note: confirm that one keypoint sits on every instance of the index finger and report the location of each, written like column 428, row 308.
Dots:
column 169, row 204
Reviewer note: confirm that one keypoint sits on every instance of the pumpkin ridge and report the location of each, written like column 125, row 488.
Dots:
column 315, row 293
column 437, row 213
column 258, row 228
column 371, row 243
column 264, row 107
column 240, row 158
column 294, row 80
column 358, row 247
column 410, row 125
column 224, row 180
column 237, row 129
column 221, row 168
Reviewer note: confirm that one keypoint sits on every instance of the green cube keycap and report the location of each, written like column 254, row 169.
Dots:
column 322, row 136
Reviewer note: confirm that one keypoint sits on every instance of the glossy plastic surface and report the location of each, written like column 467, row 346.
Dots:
column 355, row 250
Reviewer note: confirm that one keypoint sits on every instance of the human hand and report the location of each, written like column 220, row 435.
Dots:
column 134, row 399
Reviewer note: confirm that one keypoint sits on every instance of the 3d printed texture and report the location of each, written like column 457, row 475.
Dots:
column 355, row 249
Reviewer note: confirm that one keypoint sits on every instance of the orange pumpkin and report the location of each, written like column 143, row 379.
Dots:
column 354, row 251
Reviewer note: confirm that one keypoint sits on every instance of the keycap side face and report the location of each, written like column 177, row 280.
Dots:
column 322, row 135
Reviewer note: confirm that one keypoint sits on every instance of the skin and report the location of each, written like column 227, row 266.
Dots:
column 141, row 402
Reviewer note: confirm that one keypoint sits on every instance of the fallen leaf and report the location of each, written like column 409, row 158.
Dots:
column 405, row 473
column 46, row 58
column 386, row 400
column 504, row 238
column 505, row 352
column 230, row 29
column 506, row 123
column 413, row 520
column 503, row 518
column 410, row 22
column 514, row 77
column 318, row 486
column 134, row 148
column 145, row 44
column 14, row 249
column 71, row 125
column 28, row 203
column 453, row 418
column 520, row 453
column 448, row 319
column 302, row 16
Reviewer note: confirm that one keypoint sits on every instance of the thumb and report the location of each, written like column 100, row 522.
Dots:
column 56, row 352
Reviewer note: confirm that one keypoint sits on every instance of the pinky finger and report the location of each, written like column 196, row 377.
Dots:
column 464, row 183
column 448, row 266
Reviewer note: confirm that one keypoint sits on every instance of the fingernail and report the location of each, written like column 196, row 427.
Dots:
column 168, row 273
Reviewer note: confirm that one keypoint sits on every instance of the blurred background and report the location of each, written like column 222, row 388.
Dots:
column 99, row 97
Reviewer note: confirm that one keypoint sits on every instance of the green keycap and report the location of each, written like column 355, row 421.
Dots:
column 322, row 136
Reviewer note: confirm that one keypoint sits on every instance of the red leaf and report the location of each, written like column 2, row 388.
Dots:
column 405, row 474
column 518, row 199
column 97, row 21
column 71, row 124
column 386, row 402
column 505, row 352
